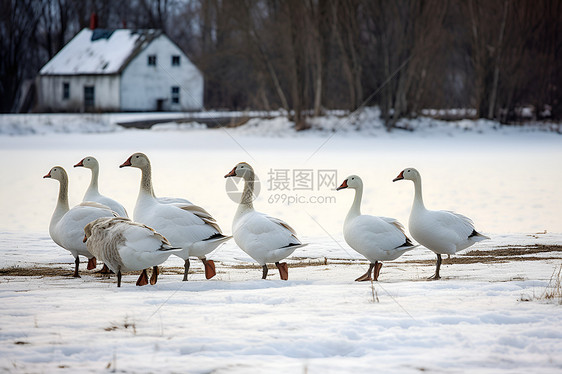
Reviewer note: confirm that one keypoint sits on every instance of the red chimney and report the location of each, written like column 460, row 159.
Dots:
column 93, row 21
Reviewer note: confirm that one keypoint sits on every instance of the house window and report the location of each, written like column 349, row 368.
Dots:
column 151, row 60
column 89, row 97
column 65, row 90
column 175, row 95
column 175, row 60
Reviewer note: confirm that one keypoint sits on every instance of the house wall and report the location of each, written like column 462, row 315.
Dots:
column 143, row 85
column 50, row 92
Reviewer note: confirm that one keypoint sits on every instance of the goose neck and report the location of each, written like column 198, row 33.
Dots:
column 62, row 201
column 246, row 202
column 418, row 198
column 355, row 209
column 146, row 182
column 94, row 181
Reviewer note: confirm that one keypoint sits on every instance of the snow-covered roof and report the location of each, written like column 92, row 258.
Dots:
column 98, row 51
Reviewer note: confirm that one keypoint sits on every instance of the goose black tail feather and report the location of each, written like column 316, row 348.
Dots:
column 474, row 233
column 408, row 243
column 291, row 245
column 215, row 236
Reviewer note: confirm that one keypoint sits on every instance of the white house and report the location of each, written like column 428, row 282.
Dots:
column 120, row 70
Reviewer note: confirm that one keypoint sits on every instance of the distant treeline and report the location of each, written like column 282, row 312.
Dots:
column 500, row 57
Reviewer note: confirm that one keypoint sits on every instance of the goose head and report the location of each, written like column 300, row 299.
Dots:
column 353, row 181
column 88, row 230
column 408, row 173
column 137, row 160
column 58, row 173
column 88, row 162
column 242, row 170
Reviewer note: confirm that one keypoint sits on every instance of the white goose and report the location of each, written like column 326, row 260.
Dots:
column 186, row 226
column 376, row 238
column 264, row 238
column 125, row 245
column 441, row 231
column 67, row 225
column 92, row 193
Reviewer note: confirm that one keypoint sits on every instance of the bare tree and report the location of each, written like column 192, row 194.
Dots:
column 405, row 36
column 18, row 24
column 304, row 55
column 346, row 33
column 515, row 54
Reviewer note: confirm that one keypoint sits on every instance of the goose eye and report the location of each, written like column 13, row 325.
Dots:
column 409, row 170
column 137, row 156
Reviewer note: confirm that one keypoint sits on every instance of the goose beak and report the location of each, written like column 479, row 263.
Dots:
column 126, row 163
column 81, row 163
column 232, row 173
column 399, row 177
column 343, row 185
column 85, row 239
column 47, row 176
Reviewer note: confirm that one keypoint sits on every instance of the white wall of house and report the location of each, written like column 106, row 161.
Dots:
column 106, row 92
column 143, row 85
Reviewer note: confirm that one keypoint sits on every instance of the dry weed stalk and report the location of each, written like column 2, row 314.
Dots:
column 554, row 289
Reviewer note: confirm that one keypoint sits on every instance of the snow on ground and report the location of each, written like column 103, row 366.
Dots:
column 487, row 314
column 366, row 122
column 47, row 123
column 481, row 317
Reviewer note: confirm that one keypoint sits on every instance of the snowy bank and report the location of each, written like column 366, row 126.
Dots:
column 366, row 122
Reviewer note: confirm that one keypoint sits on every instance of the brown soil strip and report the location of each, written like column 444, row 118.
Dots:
column 516, row 251
column 499, row 255
column 480, row 260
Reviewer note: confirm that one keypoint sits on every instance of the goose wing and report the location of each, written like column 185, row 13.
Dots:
column 258, row 230
column 369, row 233
column 203, row 215
column 112, row 204
column 457, row 224
column 172, row 200
column 134, row 246
column 70, row 228
column 180, row 225
column 143, row 238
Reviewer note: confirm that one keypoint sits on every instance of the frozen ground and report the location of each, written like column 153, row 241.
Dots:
column 485, row 315
column 488, row 314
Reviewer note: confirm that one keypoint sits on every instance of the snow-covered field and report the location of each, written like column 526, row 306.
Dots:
column 487, row 314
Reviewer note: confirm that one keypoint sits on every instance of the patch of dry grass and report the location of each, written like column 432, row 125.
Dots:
column 508, row 251
column 553, row 291
column 36, row 271
column 126, row 324
column 55, row 270
column 499, row 255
